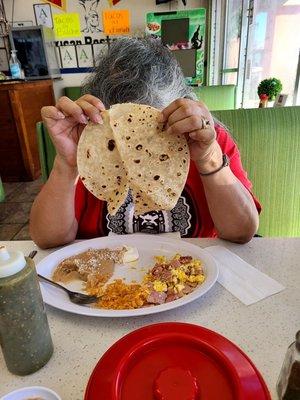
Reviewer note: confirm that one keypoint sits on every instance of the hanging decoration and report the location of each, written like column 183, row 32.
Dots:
column 61, row 4
column 113, row 2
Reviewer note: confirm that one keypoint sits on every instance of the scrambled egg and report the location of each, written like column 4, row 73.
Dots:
column 190, row 272
column 160, row 286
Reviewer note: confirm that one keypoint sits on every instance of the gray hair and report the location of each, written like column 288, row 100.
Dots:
column 138, row 70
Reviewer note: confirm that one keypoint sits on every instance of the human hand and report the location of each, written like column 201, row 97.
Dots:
column 192, row 118
column 65, row 123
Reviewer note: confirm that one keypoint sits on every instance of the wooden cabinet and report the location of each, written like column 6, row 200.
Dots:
column 20, row 110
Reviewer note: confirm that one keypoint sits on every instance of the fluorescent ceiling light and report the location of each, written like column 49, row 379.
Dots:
column 292, row 3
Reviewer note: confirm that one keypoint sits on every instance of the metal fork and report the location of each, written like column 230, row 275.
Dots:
column 75, row 297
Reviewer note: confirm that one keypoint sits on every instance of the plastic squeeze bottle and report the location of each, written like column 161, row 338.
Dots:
column 15, row 65
column 24, row 331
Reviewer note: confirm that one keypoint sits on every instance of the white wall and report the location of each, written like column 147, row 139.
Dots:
column 23, row 10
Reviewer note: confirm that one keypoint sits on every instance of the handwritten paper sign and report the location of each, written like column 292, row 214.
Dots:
column 116, row 22
column 66, row 25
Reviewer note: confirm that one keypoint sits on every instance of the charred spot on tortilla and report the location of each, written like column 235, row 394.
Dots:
column 129, row 120
column 111, row 145
column 117, row 166
column 139, row 147
column 83, row 178
column 104, row 186
column 178, row 173
column 156, row 177
column 88, row 154
column 128, row 137
column 163, row 157
column 137, row 161
column 180, row 149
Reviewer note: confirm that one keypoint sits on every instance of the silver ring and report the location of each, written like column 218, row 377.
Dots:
column 205, row 123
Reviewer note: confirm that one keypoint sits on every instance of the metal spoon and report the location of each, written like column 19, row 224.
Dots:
column 75, row 297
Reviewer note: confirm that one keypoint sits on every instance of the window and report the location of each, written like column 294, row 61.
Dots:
column 260, row 39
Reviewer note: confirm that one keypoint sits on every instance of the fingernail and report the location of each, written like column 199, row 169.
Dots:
column 83, row 119
column 98, row 119
column 100, row 105
column 60, row 115
column 192, row 135
column 160, row 117
column 169, row 130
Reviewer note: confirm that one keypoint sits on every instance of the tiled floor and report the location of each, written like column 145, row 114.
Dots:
column 14, row 211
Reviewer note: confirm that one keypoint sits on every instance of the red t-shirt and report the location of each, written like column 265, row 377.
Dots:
column 190, row 216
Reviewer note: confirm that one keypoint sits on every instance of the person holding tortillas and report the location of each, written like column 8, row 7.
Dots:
column 151, row 158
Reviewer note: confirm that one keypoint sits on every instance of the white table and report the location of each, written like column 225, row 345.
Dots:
column 263, row 330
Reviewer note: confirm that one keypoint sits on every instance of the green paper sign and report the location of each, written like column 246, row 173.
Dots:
column 195, row 39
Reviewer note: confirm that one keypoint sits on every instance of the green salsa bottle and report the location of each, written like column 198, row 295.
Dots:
column 24, row 331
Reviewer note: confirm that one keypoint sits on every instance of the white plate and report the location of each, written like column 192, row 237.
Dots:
column 148, row 246
column 30, row 393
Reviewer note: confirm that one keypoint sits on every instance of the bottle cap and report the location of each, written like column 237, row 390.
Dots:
column 10, row 262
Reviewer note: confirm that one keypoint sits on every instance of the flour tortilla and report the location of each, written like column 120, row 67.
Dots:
column 100, row 166
column 131, row 150
column 157, row 162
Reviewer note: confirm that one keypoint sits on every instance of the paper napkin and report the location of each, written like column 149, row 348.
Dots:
column 241, row 279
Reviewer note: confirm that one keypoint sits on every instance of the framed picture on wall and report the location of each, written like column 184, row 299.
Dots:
column 85, row 56
column 43, row 15
column 68, row 57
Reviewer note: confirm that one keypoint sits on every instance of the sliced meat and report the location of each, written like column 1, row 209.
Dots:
column 188, row 288
column 172, row 297
column 185, row 259
column 157, row 297
column 175, row 264
column 157, row 270
column 166, row 276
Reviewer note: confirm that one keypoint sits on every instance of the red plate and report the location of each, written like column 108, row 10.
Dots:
column 175, row 361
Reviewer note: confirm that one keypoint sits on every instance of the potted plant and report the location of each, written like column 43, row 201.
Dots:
column 268, row 90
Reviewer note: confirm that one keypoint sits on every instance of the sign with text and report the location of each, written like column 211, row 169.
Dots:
column 66, row 25
column 116, row 22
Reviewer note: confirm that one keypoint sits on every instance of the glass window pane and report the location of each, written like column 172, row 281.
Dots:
column 273, row 48
column 232, row 34
column 230, row 78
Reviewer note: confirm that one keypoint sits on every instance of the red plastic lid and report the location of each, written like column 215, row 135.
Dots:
column 175, row 361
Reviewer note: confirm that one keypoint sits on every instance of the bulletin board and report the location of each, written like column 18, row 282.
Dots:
column 183, row 32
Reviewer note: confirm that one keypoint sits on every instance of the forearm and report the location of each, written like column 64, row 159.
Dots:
column 231, row 206
column 52, row 218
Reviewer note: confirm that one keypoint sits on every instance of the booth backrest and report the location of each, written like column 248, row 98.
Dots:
column 269, row 142
column 47, row 150
column 219, row 97
column 73, row 92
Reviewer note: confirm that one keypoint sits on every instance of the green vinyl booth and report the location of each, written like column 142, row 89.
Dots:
column 269, row 142
column 217, row 97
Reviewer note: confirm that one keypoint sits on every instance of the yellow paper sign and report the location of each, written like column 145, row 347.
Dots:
column 116, row 22
column 66, row 25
